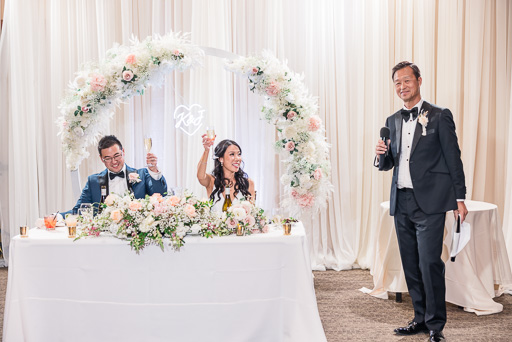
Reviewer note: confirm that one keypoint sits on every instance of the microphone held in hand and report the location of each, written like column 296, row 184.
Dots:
column 384, row 135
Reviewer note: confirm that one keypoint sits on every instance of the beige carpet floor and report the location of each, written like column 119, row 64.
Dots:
column 350, row 315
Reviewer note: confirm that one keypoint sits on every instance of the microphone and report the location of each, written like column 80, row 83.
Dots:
column 384, row 135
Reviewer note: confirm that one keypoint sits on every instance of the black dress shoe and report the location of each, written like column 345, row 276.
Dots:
column 436, row 336
column 412, row 328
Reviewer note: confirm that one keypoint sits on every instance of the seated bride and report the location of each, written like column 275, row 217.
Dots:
column 227, row 173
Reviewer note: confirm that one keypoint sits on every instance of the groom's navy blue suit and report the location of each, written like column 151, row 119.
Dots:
column 438, row 181
column 92, row 190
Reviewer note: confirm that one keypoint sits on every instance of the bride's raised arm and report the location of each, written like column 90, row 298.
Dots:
column 204, row 178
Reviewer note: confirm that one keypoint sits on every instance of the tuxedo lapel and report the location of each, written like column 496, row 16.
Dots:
column 417, row 132
column 398, row 132
column 128, row 171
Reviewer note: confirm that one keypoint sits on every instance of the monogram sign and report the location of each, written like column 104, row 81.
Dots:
column 189, row 119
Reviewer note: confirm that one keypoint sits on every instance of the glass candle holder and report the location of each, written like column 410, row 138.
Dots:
column 240, row 230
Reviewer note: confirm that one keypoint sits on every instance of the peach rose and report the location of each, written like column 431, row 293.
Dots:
column 173, row 201
column 134, row 206
column 98, row 82
column 289, row 146
column 111, row 199
column 130, row 59
column 116, row 216
column 273, row 89
column 189, row 210
column 127, row 75
column 314, row 123
column 317, row 174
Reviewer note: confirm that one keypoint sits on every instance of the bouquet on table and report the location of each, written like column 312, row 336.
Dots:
column 151, row 219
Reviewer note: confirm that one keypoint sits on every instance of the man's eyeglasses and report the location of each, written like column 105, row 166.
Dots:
column 116, row 157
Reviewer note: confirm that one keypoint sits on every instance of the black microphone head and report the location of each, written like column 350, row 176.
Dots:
column 384, row 132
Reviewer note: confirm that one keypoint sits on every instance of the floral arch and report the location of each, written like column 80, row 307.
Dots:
column 127, row 70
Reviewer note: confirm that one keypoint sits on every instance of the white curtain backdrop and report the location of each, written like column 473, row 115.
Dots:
column 345, row 49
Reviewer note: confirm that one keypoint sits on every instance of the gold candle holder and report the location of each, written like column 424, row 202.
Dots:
column 23, row 231
column 71, row 231
column 287, row 228
column 240, row 230
column 71, row 221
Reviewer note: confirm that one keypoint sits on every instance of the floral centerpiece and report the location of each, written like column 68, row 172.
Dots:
column 150, row 220
column 301, row 143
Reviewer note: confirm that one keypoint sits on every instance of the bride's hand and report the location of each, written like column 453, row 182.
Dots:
column 207, row 143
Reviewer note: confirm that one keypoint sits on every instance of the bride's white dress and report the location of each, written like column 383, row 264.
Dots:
column 217, row 206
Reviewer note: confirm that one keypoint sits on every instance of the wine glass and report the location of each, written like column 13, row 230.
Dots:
column 148, row 144
column 210, row 134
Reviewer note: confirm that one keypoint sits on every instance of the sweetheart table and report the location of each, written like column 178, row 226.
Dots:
column 250, row 288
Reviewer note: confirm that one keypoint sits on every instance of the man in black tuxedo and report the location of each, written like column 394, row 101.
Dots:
column 428, row 180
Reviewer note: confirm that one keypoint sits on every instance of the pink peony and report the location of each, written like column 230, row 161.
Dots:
column 130, row 59
column 231, row 223
column 291, row 114
column 314, row 123
column 160, row 208
column 250, row 220
column 189, row 210
column 289, row 146
column 273, row 89
column 317, row 174
column 306, row 200
column 98, row 82
column 265, row 229
column 127, row 75
column 254, row 70
column 173, row 201
column 134, row 206
column 116, row 216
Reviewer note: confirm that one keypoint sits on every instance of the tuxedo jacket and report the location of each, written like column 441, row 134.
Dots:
column 92, row 190
column 435, row 165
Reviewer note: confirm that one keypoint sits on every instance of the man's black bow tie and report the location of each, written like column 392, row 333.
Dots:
column 113, row 175
column 407, row 113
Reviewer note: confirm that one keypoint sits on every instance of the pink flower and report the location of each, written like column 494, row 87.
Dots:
column 189, row 210
column 134, row 177
column 250, row 220
column 116, row 216
column 98, row 82
column 111, row 199
column 273, row 89
column 265, row 229
column 291, row 114
column 176, row 52
column 289, row 146
column 317, row 174
column 160, row 208
column 231, row 223
column 158, row 197
column 134, row 206
column 85, row 109
column 306, row 200
column 314, row 123
column 127, row 75
column 255, row 231
column 254, row 70
column 295, row 194
column 130, row 59
column 173, row 201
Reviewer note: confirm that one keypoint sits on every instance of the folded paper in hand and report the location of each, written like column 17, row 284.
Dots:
column 461, row 234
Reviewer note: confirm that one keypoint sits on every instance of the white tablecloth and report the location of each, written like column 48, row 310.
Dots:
column 253, row 288
column 471, row 279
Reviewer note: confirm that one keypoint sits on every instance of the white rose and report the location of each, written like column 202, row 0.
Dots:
column 305, row 181
column 309, row 148
column 146, row 224
column 239, row 213
column 78, row 131
column 289, row 132
column 195, row 228
column 286, row 179
column 180, row 230
column 80, row 81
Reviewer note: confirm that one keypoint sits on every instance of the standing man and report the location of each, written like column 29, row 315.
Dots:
column 428, row 180
column 119, row 177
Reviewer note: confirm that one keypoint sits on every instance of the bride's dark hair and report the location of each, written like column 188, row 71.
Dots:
column 242, row 180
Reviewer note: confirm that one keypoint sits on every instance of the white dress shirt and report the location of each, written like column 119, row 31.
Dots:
column 119, row 185
column 408, row 128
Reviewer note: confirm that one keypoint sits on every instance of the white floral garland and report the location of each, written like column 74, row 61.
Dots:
column 126, row 71
column 302, row 143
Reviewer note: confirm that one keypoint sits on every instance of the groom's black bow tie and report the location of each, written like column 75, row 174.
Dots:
column 114, row 175
column 406, row 113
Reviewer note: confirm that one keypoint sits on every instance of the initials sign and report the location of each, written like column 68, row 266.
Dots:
column 189, row 119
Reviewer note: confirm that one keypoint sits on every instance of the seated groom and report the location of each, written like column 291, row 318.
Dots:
column 119, row 177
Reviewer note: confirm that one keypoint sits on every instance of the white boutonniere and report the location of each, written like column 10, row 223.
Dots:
column 423, row 120
column 134, row 178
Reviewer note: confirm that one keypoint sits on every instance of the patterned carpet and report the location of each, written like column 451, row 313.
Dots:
column 350, row 315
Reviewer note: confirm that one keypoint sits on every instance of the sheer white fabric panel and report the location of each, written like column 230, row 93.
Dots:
column 346, row 50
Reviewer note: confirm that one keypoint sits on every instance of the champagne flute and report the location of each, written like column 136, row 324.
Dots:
column 210, row 134
column 148, row 143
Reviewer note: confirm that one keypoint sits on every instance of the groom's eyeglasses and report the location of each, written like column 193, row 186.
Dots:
column 116, row 157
